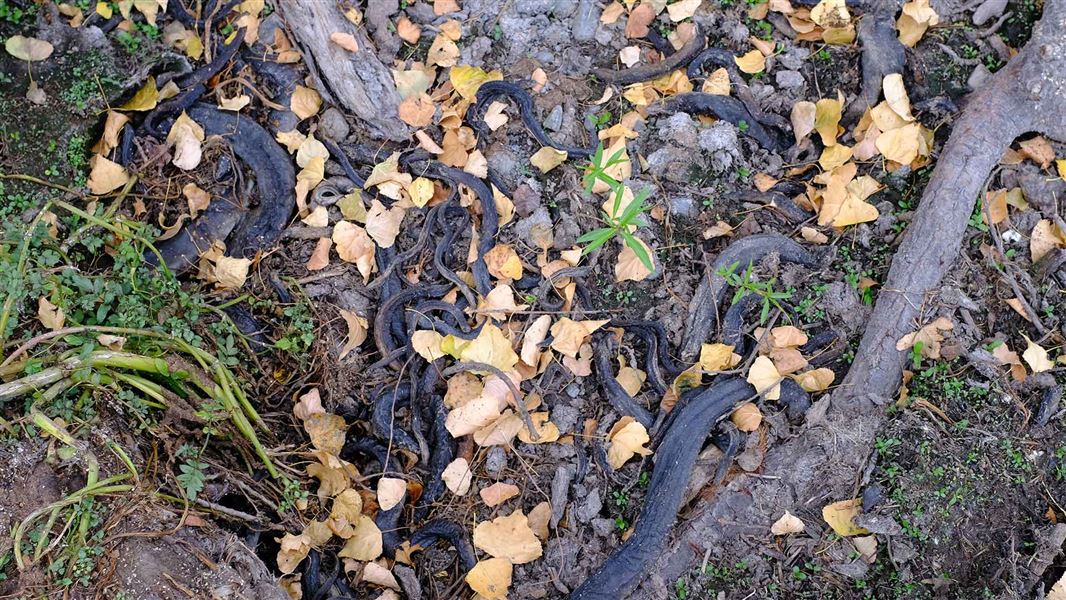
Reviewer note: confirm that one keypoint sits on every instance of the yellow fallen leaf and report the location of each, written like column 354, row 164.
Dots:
column 50, row 315
column 803, row 118
column 379, row 575
column 813, row 236
column 752, row 62
column 831, row 13
column 235, row 103
column 427, row 344
column 916, row 18
column 629, row 266
column 355, row 246
column 539, row 519
column 717, row 83
column 896, row 96
column 929, row 336
column 467, row 79
column 546, row 430
column 827, row 112
column 568, row 335
column 1046, row 236
column 1038, row 149
column 500, row 302
column 490, row 347
column 357, row 330
column 490, row 578
column 747, row 417
column 408, row 31
column 763, row 375
column 383, row 224
column 682, row 9
column 230, row 272
column 421, row 191
column 500, row 432
column 457, row 476
column 443, row 52
column 834, row 156
column 112, row 129
column 1036, row 357
column 105, row 175
column 718, row 357
column 503, row 262
column 626, row 439
column 28, row 48
column 305, row 102
column 631, row 379
column 365, row 543
column 902, row 144
column 547, row 158
column 508, row 537
column 640, row 18
column 816, row 380
column 841, row 516
column 391, row 491
column 417, row 111
column 326, row 431
column 788, row 523
column 292, row 550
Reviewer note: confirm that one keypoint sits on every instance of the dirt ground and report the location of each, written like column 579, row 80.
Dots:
column 965, row 485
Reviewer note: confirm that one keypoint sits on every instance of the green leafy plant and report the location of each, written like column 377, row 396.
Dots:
column 618, row 225
column 745, row 283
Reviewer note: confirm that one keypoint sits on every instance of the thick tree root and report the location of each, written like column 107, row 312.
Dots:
column 825, row 461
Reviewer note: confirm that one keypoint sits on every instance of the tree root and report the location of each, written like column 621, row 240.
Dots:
column 825, row 461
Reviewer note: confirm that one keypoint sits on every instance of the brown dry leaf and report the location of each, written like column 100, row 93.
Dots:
column 235, row 103
column 326, row 431
column 813, row 236
column 494, row 115
column 747, row 417
column 629, row 266
column 475, row 415
column 902, row 144
column 611, row 13
column 112, row 128
column 357, row 330
column 305, row 102
column 417, row 111
column 499, row 303
column 231, row 273
column 815, row 380
column 626, row 439
column 630, row 55
column 185, row 137
column 682, row 9
column 1008, row 357
column 764, row 182
column 427, row 343
column 365, row 543
column 1038, row 149
column 391, row 491
column 443, row 52
column 719, row 229
column 355, row 246
column 787, row 360
column 105, row 175
column 568, row 335
column 28, row 48
column 788, row 523
column 490, row 578
column 834, row 156
column 640, row 18
column 344, row 40
column 827, row 112
column 383, row 224
column 539, row 518
column 752, row 62
column 547, row 158
column 803, row 119
column 508, row 537
column 293, row 549
column 500, row 432
column 388, row 178
column 896, row 96
column 996, row 203
column 717, row 357
column 764, row 376
column 535, row 334
column 503, row 262
column 831, row 14
column 477, row 165
column 443, row 7
column 112, row 342
column 458, row 477
column 581, row 366
column 930, row 336
column 197, row 198
column 498, row 493
column 1046, row 236
column 631, row 379
column 381, row 576
column 308, row 404
column 408, row 31
column 50, row 315
column 1036, row 357
column 319, row 217
column 841, row 516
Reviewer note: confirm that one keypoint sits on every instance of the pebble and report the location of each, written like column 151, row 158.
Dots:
column 679, row 129
column 722, row 136
column 566, row 232
column 535, row 7
column 554, row 121
column 573, row 390
column 560, row 492
column 589, row 507
column 563, row 8
column 683, row 206
column 603, row 527
column 565, row 418
column 332, row 125
column 495, row 461
column 586, row 20
column 980, row 75
column 789, row 79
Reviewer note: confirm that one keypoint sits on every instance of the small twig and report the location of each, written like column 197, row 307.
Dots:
column 518, row 399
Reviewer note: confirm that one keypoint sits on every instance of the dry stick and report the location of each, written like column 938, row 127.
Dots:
column 1028, row 94
column 992, row 231
column 518, row 399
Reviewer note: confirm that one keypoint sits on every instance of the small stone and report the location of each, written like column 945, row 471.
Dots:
column 789, row 79
column 589, row 507
column 495, row 461
column 980, row 75
column 565, row 418
column 680, row 130
column 586, row 20
column 554, row 121
column 573, row 390
column 525, row 199
column 683, row 206
column 535, row 228
column 722, row 136
column 332, row 125
column 535, row 7
column 603, row 527
column 564, row 8
column 566, row 232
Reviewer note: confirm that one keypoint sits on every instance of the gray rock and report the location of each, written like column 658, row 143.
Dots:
column 560, row 493
column 683, row 206
column 534, row 226
column 565, row 417
column 564, row 8
column 878, row 523
column 670, row 163
column 586, row 20
column 474, row 52
column 794, row 59
column 589, row 507
column 534, row 7
column 573, row 390
column 790, row 79
column 554, row 121
column 679, row 130
column 502, row 162
column 989, row 9
column 604, row 37
column 566, row 232
column 843, row 304
column 495, row 461
column 720, row 137
column 421, row 13
column 333, row 126
column 408, row 581
column 603, row 527
column 980, row 75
